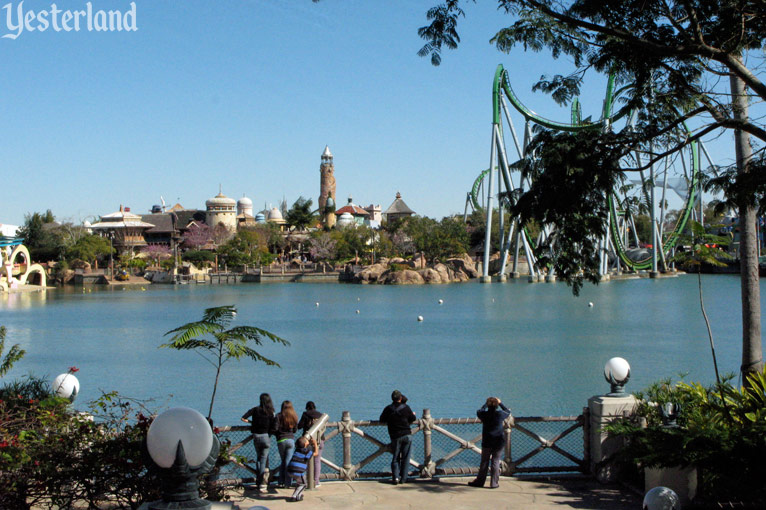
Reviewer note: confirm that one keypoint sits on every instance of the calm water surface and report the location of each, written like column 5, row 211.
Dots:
column 536, row 346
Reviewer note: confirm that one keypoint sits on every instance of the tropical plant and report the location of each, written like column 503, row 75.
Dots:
column 14, row 354
column 300, row 215
column 226, row 344
column 721, row 431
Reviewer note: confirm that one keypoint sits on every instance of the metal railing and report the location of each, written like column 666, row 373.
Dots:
column 441, row 447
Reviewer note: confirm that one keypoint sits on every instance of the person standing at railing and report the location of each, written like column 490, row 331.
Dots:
column 398, row 417
column 492, row 416
column 262, row 422
column 286, row 426
column 307, row 420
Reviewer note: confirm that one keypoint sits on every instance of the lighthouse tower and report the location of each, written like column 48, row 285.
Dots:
column 326, row 182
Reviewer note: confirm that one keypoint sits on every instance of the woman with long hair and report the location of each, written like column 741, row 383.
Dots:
column 262, row 423
column 286, row 425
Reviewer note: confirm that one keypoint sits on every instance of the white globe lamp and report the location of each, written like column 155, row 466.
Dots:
column 181, row 443
column 617, row 373
column 66, row 386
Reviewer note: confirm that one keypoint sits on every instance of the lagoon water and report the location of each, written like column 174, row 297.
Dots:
column 534, row 345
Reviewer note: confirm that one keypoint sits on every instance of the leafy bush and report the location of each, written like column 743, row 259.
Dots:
column 721, row 431
column 53, row 457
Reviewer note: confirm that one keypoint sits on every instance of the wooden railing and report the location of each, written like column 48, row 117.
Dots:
column 439, row 448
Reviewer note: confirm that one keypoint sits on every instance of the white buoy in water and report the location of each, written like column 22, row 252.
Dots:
column 420, row 318
column 590, row 304
column 317, row 303
column 441, row 301
column 357, row 311
column 358, row 299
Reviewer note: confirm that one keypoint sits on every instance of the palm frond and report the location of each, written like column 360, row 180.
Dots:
column 253, row 333
column 255, row 356
column 193, row 329
column 220, row 314
column 191, row 343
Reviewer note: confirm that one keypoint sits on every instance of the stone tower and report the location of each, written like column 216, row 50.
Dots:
column 326, row 180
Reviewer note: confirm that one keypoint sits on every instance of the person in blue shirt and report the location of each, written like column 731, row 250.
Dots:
column 492, row 416
column 304, row 450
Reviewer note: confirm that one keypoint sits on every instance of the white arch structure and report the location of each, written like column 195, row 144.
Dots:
column 17, row 268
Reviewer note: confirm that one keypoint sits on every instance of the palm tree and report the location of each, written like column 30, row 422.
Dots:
column 226, row 343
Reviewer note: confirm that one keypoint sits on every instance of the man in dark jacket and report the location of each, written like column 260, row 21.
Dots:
column 398, row 417
column 492, row 416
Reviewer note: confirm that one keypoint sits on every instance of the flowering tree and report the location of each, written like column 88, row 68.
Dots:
column 156, row 252
column 196, row 236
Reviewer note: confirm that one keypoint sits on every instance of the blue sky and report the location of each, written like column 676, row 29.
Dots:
column 246, row 94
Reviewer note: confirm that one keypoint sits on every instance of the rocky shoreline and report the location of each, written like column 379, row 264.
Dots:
column 397, row 271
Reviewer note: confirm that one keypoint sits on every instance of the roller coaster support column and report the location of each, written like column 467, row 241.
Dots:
column 485, row 278
column 653, row 273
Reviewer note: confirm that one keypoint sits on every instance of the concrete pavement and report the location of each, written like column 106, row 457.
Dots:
column 448, row 494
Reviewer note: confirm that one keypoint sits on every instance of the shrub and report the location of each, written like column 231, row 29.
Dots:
column 721, row 431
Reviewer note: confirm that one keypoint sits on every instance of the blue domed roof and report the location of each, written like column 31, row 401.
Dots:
column 330, row 202
column 260, row 218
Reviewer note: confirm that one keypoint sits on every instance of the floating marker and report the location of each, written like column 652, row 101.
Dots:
column 317, row 303
column 358, row 299
column 590, row 304
column 357, row 311
column 441, row 301
column 420, row 318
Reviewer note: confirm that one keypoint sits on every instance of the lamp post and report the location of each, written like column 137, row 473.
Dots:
column 66, row 385
column 182, row 445
column 111, row 251
column 617, row 373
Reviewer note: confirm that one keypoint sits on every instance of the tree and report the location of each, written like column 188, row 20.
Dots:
column 674, row 55
column 225, row 345
column 14, row 354
column 322, row 247
column 157, row 252
column 247, row 247
column 300, row 216
column 437, row 240
column 89, row 248
column 196, row 236
column 41, row 236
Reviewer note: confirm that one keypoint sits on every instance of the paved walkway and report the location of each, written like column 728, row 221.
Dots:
column 449, row 494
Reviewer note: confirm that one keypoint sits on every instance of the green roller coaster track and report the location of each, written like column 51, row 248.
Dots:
column 502, row 84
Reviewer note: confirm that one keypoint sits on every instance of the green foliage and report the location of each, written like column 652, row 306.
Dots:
column 437, row 240
column 300, row 215
column 14, row 354
column 89, row 248
column 703, row 249
column 41, row 237
column 559, row 162
column 52, row 457
column 722, row 432
column 199, row 257
column 247, row 247
column 218, row 345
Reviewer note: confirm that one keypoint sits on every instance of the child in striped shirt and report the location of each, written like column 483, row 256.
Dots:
column 304, row 450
